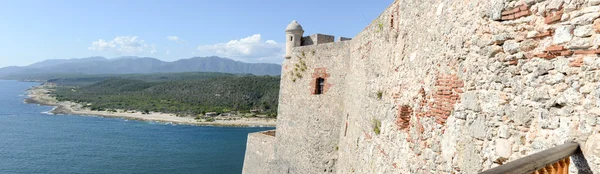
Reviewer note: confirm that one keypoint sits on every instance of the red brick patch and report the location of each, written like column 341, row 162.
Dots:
column 577, row 62
column 548, row 32
column 592, row 51
column 514, row 10
column 441, row 103
column 597, row 25
column 320, row 73
column 403, row 119
column 508, row 17
column 524, row 7
column 558, row 50
column 545, row 56
column 516, row 13
column 447, row 95
column 566, row 53
column 555, row 48
column 553, row 51
column 556, row 17
column 522, row 13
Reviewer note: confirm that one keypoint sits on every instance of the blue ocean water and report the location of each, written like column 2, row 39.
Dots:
column 34, row 142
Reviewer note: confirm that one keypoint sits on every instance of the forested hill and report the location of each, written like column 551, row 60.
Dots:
column 221, row 93
column 83, row 80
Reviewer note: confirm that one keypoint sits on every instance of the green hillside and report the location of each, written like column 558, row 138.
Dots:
column 191, row 95
column 83, row 80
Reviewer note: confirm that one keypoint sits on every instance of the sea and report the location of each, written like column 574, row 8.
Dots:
column 33, row 141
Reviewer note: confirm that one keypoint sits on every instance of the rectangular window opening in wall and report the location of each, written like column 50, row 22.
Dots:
column 320, row 84
column 291, row 38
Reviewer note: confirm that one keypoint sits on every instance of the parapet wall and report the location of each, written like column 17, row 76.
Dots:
column 317, row 39
column 260, row 152
column 445, row 87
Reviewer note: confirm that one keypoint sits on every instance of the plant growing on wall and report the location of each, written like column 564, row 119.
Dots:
column 299, row 68
column 376, row 126
column 379, row 27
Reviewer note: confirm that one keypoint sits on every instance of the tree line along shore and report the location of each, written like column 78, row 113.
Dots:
column 185, row 98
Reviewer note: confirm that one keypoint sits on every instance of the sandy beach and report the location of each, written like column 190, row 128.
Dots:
column 40, row 95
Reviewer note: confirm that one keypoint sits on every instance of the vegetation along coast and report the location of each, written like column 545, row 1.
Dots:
column 212, row 100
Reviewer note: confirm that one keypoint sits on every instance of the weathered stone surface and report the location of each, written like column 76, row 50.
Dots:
column 540, row 95
column 554, row 4
column 596, row 42
column 591, row 76
column 491, row 51
column 511, row 47
column 503, row 131
column 555, row 78
column 585, row 19
column 538, row 66
column 495, row 9
column 503, row 148
column 568, row 97
column 528, row 45
column 500, row 38
column 532, row 34
column 522, row 116
column 478, row 128
column 260, row 151
column 588, row 88
column 468, row 154
column 561, row 64
column 563, row 34
column 569, row 8
column 591, row 9
column 591, row 149
column 580, row 43
column 583, row 31
column 471, row 101
column 595, row 111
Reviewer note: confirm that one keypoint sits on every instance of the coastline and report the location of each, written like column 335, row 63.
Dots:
column 40, row 95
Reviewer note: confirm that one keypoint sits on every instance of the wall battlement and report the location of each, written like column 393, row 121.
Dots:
column 317, row 39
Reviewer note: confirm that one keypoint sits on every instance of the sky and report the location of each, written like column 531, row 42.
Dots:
column 244, row 30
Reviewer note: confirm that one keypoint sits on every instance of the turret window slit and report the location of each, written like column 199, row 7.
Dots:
column 320, row 84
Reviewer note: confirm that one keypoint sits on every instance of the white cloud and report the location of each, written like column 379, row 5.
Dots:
column 102, row 45
column 122, row 45
column 153, row 49
column 249, row 49
column 176, row 39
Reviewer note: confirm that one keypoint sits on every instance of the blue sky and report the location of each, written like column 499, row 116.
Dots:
column 245, row 30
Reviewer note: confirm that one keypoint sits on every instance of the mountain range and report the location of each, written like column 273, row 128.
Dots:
column 139, row 65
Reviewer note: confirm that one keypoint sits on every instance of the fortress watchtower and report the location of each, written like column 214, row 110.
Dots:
column 293, row 34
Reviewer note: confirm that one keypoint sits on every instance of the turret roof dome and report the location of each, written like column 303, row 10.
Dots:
column 293, row 26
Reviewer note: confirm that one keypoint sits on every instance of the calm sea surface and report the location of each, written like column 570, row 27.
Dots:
column 34, row 142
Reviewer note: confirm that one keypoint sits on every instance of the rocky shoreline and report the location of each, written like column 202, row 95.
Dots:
column 41, row 95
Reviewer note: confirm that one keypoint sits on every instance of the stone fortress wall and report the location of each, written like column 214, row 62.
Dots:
column 441, row 87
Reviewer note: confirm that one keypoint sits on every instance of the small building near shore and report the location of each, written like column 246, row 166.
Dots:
column 210, row 114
